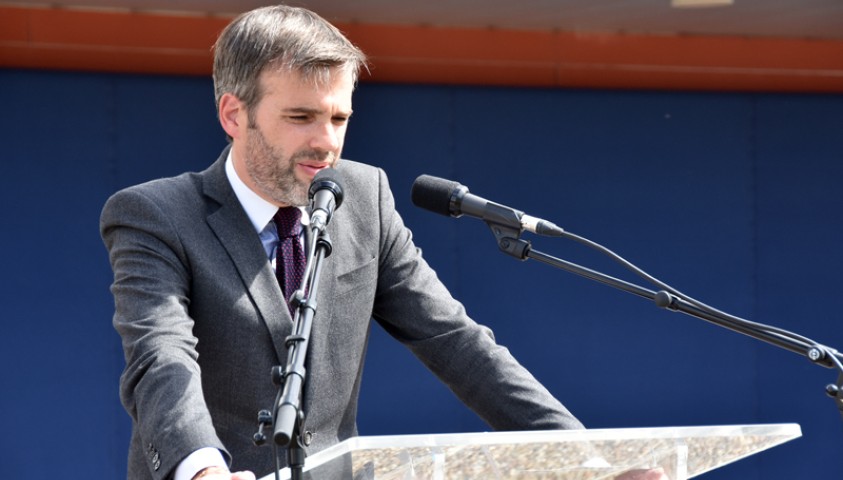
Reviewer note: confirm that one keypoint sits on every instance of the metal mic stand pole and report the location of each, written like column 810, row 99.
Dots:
column 287, row 417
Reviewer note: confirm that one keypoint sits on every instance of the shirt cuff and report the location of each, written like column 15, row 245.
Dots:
column 198, row 460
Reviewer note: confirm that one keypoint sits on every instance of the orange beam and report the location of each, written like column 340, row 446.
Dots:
column 106, row 41
column 69, row 39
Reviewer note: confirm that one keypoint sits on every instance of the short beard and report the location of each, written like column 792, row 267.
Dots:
column 273, row 176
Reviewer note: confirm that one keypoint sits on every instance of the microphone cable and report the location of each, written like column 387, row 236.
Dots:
column 807, row 343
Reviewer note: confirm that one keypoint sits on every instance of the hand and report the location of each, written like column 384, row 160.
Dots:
column 218, row 473
column 649, row 474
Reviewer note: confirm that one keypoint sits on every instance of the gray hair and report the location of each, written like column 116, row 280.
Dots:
column 280, row 37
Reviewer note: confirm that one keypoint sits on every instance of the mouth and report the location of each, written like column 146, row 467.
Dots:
column 310, row 169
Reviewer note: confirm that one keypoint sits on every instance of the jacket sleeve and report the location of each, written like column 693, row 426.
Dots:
column 160, row 388
column 414, row 306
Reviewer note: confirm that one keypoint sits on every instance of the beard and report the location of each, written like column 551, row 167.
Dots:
column 274, row 173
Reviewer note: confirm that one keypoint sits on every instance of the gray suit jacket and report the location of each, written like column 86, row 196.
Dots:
column 202, row 322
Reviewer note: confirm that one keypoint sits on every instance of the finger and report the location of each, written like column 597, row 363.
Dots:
column 650, row 474
column 242, row 476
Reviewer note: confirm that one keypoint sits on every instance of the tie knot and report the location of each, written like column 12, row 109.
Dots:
column 288, row 222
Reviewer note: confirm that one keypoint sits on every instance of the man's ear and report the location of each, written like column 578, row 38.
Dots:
column 232, row 115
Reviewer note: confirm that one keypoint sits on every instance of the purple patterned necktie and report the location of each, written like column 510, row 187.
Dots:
column 289, row 254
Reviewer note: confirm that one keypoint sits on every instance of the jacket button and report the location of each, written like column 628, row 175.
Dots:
column 308, row 438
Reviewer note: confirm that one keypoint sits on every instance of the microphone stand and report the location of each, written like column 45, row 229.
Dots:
column 509, row 242
column 288, row 416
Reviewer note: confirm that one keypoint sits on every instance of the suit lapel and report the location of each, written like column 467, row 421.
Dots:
column 236, row 234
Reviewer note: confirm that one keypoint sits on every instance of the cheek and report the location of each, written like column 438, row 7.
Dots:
column 284, row 144
column 341, row 137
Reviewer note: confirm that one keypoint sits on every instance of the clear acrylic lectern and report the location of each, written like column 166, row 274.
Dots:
column 683, row 452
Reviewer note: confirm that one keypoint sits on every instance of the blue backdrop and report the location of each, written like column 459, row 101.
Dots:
column 732, row 198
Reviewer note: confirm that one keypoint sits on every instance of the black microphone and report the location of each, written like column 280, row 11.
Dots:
column 447, row 197
column 325, row 197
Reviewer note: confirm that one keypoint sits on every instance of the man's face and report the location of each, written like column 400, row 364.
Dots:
column 296, row 129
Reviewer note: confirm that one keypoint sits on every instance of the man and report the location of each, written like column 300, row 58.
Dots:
column 197, row 304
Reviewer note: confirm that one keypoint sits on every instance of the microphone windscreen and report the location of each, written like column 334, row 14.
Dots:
column 330, row 179
column 434, row 194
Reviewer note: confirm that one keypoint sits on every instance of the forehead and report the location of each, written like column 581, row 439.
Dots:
column 333, row 87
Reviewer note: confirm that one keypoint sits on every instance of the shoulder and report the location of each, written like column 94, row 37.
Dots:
column 357, row 171
column 185, row 185
column 180, row 192
column 362, row 177
column 166, row 194
column 173, row 200
column 363, row 185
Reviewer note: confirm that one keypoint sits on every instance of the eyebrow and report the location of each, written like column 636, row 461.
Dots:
column 311, row 111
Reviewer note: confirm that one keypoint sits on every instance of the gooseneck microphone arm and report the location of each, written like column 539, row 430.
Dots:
column 428, row 193
column 669, row 299
column 664, row 299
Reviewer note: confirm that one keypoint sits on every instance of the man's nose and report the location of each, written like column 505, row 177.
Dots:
column 326, row 138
